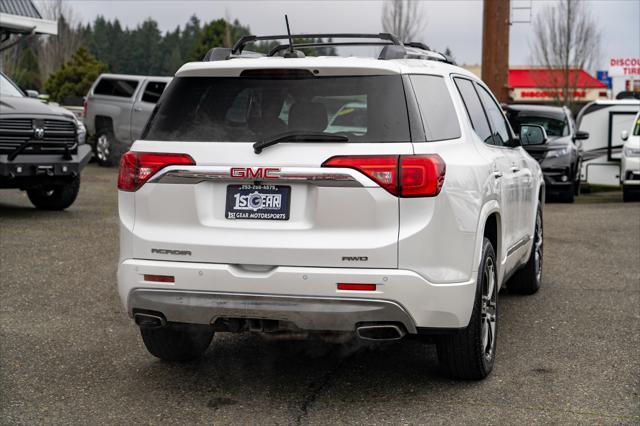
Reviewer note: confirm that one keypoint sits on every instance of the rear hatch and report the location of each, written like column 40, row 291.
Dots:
column 235, row 204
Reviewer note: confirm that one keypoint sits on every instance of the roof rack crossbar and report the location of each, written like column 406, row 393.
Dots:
column 243, row 41
column 281, row 47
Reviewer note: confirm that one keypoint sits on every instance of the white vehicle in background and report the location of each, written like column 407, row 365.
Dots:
column 237, row 217
column 604, row 120
column 117, row 109
column 630, row 165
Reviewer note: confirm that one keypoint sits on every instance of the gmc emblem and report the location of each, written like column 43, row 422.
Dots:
column 254, row 173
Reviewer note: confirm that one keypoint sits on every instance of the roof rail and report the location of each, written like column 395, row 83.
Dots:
column 243, row 41
column 393, row 48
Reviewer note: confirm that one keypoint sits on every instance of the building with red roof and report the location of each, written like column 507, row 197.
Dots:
column 545, row 85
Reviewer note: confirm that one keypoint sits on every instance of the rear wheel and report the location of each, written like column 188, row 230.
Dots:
column 107, row 149
column 55, row 197
column 528, row 279
column 470, row 353
column 177, row 342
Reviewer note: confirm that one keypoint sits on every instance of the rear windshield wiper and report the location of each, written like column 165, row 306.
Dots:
column 298, row 137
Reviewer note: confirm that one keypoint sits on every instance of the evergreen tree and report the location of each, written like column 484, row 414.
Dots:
column 27, row 73
column 75, row 77
column 218, row 33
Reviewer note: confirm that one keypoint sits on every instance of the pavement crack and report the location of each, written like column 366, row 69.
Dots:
column 315, row 388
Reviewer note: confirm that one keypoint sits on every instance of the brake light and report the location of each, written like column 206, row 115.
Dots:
column 84, row 108
column 381, row 169
column 421, row 175
column 138, row 167
column 402, row 176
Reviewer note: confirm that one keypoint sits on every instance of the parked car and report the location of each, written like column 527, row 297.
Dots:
column 117, row 108
column 561, row 157
column 630, row 165
column 42, row 148
column 233, row 219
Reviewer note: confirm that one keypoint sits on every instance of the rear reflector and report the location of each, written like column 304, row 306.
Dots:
column 160, row 278
column 402, row 176
column 138, row 167
column 360, row 287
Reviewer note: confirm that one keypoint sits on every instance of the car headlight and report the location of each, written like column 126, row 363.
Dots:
column 631, row 152
column 558, row 152
column 81, row 134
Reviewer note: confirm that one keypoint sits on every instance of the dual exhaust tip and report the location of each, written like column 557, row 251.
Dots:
column 373, row 332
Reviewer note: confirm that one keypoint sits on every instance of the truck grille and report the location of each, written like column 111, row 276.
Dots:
column 57, row 135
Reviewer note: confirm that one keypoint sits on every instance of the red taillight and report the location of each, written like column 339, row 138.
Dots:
column 403, row 176
column 383, row 169
column 138, row 167
column 160, row 278
column 84, row 108
column 421, row 175
column 354, row 286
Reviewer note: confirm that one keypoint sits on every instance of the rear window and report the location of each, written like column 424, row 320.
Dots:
column 116, row 87
column 249, row 109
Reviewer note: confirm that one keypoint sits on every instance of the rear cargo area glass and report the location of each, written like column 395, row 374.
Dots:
column 250, row 109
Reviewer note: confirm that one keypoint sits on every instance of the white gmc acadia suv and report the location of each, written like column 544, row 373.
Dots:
column 247, row 205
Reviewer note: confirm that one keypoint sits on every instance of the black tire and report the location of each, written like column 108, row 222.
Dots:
column 55, row 197
column 107, row 150
column 177, row 343
column 629, row 195
column 465, row 354
column 529, row 278
column 569, row 194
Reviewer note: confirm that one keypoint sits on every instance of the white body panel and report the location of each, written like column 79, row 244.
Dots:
column 423, row 253
column 630, row 163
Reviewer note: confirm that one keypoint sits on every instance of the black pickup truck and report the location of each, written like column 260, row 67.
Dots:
column 42, row 148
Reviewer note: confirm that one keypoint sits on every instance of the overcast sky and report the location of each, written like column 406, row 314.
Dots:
column 453, row 23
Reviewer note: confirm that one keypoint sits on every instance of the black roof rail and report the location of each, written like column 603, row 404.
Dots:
column 243, row 41
column 393, row 48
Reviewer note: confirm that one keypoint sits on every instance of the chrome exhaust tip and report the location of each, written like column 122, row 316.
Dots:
column 382, row 332
column 149, row 320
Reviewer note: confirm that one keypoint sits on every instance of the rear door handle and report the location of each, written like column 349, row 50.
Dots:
column 497, row 174
column 515, row 169
column 138, row 109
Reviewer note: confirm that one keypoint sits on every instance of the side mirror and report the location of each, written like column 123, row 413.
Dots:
column 582, row 135
column 624, row 135
column 32, row 94
column 532, row 134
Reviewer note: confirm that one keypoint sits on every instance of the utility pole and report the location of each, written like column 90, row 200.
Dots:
column 495, row 47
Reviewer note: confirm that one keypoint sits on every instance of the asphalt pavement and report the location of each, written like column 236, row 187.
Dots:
column 70, row 355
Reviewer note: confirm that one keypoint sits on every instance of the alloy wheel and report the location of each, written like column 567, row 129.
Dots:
column 537, row 247
column 103, row 148
column 489, row 308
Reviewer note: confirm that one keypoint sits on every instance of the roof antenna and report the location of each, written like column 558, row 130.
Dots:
column 286, row 19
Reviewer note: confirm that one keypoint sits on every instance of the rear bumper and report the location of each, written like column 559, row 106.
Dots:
column 305, row 297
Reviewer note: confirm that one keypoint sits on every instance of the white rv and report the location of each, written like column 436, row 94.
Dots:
column 604, row 120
